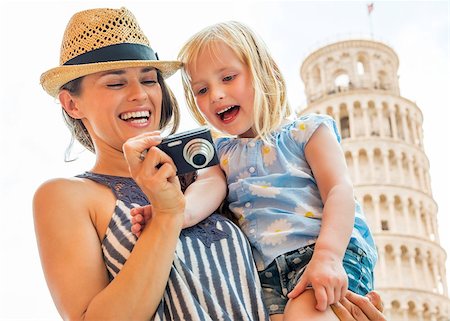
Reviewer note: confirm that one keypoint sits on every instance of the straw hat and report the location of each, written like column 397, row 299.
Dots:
column 99, row 40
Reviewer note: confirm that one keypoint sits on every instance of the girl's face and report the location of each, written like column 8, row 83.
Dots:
column 119, row 104
column 223, row 90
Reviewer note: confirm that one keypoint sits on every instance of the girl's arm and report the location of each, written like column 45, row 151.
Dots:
column 205, row 195
column 325, row 271
column 327, row 162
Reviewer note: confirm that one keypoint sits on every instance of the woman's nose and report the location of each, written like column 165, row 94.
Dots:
column 136, row 91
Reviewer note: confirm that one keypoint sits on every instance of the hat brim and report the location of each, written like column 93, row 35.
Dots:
column 53, row 79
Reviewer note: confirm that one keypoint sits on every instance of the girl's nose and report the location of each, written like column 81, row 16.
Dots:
column 217, row 94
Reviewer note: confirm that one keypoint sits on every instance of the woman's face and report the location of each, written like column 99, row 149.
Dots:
column 119, row 104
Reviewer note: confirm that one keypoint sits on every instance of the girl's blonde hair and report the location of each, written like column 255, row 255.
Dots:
column 270, row 101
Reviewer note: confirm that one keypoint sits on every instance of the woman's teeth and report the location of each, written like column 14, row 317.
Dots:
column 136, row 116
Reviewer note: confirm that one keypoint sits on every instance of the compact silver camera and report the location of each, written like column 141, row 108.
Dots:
column 190, row 150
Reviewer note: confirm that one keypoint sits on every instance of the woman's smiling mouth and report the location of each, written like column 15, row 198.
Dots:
column 136, row 116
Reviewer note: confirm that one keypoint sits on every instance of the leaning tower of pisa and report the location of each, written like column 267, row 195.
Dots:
column 355, row 82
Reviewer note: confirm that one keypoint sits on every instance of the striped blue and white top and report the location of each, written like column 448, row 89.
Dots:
column 213, row 276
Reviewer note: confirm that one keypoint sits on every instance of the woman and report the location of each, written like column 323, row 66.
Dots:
column 112, row 90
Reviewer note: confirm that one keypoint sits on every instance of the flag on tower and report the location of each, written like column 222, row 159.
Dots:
column 370, row 8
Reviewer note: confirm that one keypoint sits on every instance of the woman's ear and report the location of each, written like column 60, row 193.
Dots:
column 70, row 104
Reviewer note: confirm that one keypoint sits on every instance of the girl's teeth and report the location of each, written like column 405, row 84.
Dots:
column 224, row 110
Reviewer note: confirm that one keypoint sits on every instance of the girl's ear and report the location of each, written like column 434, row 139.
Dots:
column 70, row 104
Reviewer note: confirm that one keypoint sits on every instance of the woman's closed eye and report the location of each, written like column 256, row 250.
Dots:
column 149, row 82
column 119, row 84
column 115, row 85
column 114, row 81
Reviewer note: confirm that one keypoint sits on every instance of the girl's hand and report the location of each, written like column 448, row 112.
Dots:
column 155, row 173
column 326, row 274
column 139, row 218
column 354, row 307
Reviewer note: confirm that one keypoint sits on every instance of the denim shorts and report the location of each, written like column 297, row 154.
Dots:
column 281, row 276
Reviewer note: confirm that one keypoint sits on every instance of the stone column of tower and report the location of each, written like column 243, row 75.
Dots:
column 355, row 82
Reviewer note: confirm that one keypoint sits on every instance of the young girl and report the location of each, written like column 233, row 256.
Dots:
column 289, row 186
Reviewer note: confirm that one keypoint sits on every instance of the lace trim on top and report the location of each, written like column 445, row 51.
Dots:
column 124, row 188
column 206, row 231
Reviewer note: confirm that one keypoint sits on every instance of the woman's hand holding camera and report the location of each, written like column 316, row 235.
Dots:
column 155, row 174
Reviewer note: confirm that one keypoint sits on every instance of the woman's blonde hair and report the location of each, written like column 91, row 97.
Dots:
column 270, row 101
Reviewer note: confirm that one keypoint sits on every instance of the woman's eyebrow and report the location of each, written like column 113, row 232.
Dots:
column 148, row 69
column 113, row 72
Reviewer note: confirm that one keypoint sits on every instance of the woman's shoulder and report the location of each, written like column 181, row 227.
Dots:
column 61, row 185
column 78, row 203
column 63, row 194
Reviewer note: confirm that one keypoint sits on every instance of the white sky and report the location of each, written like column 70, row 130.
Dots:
column 33, row 136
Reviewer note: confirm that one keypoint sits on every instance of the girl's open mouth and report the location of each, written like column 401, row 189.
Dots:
column 227, row 114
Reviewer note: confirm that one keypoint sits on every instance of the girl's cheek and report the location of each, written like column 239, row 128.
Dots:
column 201, row 104
column 204, row 110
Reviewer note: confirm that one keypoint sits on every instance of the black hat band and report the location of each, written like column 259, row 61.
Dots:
column 117, row 52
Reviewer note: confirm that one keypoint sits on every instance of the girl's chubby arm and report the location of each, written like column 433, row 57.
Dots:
column 205, row 195
column 210, row 181
column 69, row 228
column 325, row 271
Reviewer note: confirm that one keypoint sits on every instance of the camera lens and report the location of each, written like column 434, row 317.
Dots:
column 199, row 159
column 198, row 152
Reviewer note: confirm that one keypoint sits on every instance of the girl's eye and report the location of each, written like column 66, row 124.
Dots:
column 228, row 78
column 201, row 91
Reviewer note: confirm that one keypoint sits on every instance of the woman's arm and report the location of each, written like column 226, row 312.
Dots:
column 69, row 248
column 71, row 254
column 205, row 195
column 73, row 264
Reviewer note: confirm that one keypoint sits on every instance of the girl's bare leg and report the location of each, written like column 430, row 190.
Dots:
column 276, row 317
column 303, row 307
